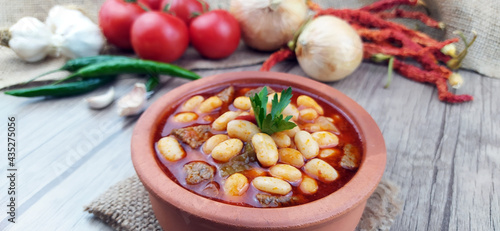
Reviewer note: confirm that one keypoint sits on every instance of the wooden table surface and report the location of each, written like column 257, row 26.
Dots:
column 445, row 158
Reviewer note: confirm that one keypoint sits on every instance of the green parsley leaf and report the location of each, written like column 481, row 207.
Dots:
column 274, row 121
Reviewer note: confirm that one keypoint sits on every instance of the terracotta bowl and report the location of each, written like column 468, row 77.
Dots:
column 179, row 209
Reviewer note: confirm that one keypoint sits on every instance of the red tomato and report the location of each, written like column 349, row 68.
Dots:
column 159, row 36
column 185, row 9
column 215, row 34
column 116, row 18
column 151, row 4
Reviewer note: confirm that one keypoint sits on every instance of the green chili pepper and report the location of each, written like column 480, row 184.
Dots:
column 152, row 83
column 132, row 66
column 75, row 64
column 65, row 89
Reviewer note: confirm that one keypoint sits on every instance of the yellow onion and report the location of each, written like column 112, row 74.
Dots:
column 328, row 49
column 267, row 25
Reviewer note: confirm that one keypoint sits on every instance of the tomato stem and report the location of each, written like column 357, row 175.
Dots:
column 195, row 14
column 144, row 7
column 166, row 9
column 204, row 6
column 130, row 1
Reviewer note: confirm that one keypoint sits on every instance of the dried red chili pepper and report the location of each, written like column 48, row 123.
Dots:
column 437, row 79
column 371, row 49
column 388, row 4
column 369, row 20
column 399, row 13
column 383, row 39
column 276, row 57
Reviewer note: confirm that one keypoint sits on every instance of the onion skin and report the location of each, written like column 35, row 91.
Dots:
column 329, row 49
column 267, row 25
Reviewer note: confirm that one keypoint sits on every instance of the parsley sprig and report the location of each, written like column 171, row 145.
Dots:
column 274, row 121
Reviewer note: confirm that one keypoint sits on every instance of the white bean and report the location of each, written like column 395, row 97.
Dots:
column 226, row 150
column 245, row 113
column 321, row 124
column 265, row 148
column 236, row 185
column 213, row 141
column 270, row 98
column 281, row 139
column 170, row 148
column 325, row 153
column 309, row 102
column 320, row 170
column 271, row 185
column 308, row 114
column 242, row 129
column 291, row 110
column 291, row 132
column 291, row 156
column 285, row 172
column 185, row 117
column 192, row 103
column 255, row 172
column 308, row 185
column 220, row 123
column 306, row 144
column 242, row 103
column 210, row 104
column 325, row 139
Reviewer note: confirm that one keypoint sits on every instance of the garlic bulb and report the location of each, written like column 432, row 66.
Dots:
column 66, row 32
column 267, row 25
column 74, row 34
column 133, row 102
column 30, row 39
column 328, row 49
column 101, row 101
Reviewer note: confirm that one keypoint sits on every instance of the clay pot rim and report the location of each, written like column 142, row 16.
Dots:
column 356, row 191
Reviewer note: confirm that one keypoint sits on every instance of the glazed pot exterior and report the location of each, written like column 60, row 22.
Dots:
column 177, row 208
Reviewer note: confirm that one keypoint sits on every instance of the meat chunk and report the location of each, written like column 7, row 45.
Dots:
column 240, row 162
column 267, row 200
column 198, row 171
column 351, row 157
column 257, row 90
column 227, row 95
column 194, row 136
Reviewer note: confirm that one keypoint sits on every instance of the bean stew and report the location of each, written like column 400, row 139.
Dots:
column 211, row 145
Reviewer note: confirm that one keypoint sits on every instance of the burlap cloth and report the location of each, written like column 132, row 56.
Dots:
column 126, row 207
column 480, row 15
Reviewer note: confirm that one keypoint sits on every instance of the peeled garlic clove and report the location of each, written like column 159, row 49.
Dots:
column 74, row 34
column 133, row 102
column 101, row 101
column 30, row 39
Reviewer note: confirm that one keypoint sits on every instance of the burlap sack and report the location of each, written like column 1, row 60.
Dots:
column 481, row 16
column 126, row 207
